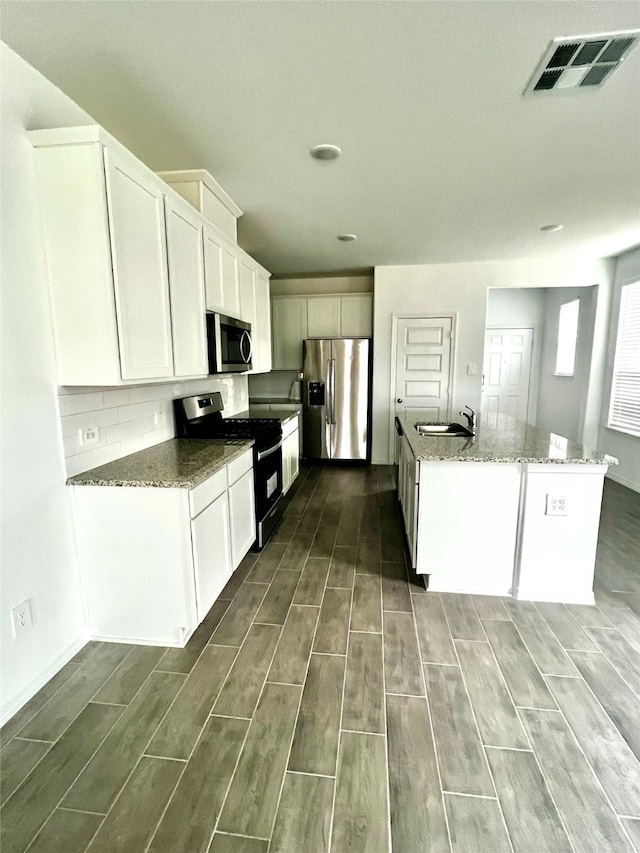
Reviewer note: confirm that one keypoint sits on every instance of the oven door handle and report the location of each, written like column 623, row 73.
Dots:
column 262, row 454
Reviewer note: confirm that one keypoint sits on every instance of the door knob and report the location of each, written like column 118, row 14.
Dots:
column 398, row 400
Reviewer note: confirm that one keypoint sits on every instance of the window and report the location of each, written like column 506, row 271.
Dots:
column 567, row 338
column 624, row 408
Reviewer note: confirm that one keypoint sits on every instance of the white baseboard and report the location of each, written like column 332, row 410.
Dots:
column 630, row 484
column 9, row 709
column 557, row 598
column 144, row 641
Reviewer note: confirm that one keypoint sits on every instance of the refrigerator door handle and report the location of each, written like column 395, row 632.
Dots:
column 332, row 391
column 329, row 402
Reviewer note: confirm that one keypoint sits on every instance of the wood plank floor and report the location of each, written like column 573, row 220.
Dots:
column 329, row 704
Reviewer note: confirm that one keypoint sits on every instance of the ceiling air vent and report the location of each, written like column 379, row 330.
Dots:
column 581, row 62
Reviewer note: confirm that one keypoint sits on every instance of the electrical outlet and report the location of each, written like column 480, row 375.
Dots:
column 159, row 419
column 472, row 369
column 89, row 435
column 21, row 619
column 556, row 505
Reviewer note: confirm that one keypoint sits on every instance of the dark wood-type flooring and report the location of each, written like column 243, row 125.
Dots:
column 329, row 703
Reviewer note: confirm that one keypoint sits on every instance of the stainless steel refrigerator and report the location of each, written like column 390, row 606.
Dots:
column 335, row 398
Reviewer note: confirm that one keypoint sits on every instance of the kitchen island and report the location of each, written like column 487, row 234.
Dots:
column 511, row 511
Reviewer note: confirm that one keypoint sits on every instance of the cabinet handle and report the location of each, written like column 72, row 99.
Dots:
column 398, row 400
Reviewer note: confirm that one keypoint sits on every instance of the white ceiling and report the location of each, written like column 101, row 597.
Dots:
column 443, row 161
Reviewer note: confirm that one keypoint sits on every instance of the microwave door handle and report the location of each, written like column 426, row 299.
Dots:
column 244, row 338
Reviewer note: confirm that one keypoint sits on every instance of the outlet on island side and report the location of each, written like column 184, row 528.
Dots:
column 21, row 618
column 556, row 505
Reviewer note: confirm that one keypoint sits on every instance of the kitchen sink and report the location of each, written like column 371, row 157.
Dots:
column 444, row 430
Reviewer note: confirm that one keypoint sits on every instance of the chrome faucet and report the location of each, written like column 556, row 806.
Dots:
column 472, row 419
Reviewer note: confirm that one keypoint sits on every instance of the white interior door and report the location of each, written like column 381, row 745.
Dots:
column 423, row 359
column 506, row 376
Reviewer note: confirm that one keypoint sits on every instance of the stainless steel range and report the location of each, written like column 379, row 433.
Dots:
column 201, row 417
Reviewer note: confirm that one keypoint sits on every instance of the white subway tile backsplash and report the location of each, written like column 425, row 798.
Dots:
column 88, row 402
column 118, row 397
column 126, row 419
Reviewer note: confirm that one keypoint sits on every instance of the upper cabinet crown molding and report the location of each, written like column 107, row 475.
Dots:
column 201, row 190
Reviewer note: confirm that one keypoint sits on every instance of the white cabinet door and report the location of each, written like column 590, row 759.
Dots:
column 262, row 335
column 356, row 316
column 186, row 288
column 222, row 286
column 211, row 553
column 290, row 460
column 138, row 246
column 230, row 282
column 243, row 518
column 289, row 324
column 323, row 317
column 213, row 269
column 248, row 297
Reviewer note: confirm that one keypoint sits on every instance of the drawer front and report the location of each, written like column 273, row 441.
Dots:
column 291, row 427
column 207, row 492
column 240, row 466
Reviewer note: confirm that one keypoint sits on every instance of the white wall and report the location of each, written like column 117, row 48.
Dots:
column 562, row 399
column 40, row 422
column 522, row 308
column 461, row 289
column 625, row 447
column 38, row 552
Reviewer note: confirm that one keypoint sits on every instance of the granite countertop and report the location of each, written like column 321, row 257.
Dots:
column 179, row 463
column 265, row 401
column 524, row 443
column 261, row 411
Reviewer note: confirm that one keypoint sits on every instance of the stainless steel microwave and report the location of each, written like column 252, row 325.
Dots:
column 229, row 344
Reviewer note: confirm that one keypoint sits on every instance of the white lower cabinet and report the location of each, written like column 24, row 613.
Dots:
column 153, row 560
column 290, row 453
column 211, row 553
column 242, row 515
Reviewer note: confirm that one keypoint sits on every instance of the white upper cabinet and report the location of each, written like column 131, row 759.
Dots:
column 255, row 308
column 247, row 276
column 289, row 322
column 356, row 315
column 186, row 289
column 222, row 286
column 132, row 266
column 141, row 283
column 298, row 317
column 262, row 336
column 323, row 317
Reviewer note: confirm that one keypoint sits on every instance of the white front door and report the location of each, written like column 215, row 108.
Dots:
column 423, row 359
column 506, row 376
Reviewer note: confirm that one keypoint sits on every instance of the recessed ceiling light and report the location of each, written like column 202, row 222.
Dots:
column 325, row 152
column 347, row 238
column 552, row 227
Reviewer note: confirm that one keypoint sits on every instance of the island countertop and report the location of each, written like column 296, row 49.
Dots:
column 524, row 443
column 179, row 463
